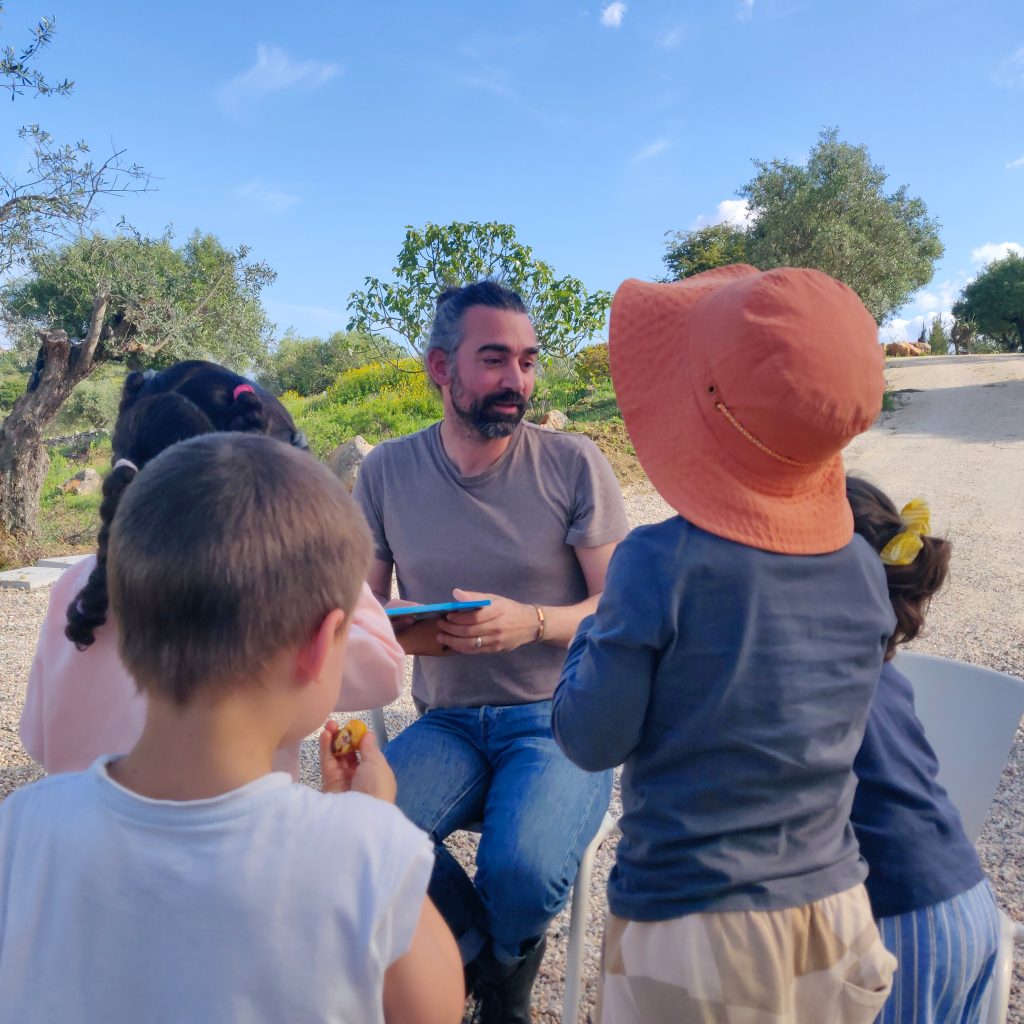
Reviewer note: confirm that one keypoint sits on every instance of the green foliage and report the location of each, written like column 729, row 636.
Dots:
column 937, row 338
column 16, row 71
column 11, row 388
column 60, row 469
column 993, row 304
column 58, row 197
column 961, row 335
column 92, row 405
column 564, row 314
column 591, row 364
column 379, row 400
column 308, row 366
column 13, row 378
column 57, row 194
column 692, row 252
column 832, row 214
column 163, row 304
column 556, row 390
column 374, row 379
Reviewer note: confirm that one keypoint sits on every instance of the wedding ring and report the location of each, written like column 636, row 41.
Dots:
column 479, row 642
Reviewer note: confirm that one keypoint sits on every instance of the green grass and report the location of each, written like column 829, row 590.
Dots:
column 69, row 522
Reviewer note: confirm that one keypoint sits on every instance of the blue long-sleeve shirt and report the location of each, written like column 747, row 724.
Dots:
column 734, row 685
column 909, row 832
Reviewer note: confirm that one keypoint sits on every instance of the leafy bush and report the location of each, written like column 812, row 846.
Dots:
column 372, row 379
column 591, row 364
column 92, row 405
column 11, row 389
column 379, row 401
column 556, row 390
column 308, row 366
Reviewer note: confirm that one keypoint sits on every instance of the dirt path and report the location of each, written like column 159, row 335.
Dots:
column 957, row 439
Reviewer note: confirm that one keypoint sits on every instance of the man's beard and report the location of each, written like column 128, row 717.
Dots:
column 480, row 415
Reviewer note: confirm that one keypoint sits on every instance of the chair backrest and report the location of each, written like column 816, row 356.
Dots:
column 970, row 715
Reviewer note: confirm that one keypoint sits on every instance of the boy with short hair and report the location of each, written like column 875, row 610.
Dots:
column 187, row 880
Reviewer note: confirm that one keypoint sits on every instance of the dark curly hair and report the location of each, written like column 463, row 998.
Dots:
column 911, row 587
column 157, row 410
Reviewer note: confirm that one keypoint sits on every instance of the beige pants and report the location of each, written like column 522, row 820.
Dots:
column 823, row 963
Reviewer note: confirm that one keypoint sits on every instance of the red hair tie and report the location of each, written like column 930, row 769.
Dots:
column 241, row 390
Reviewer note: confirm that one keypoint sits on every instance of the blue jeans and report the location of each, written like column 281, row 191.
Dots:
column 499, row 766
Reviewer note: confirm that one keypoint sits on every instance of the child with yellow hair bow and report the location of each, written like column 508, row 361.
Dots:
column 929, row 895
column 905, row 546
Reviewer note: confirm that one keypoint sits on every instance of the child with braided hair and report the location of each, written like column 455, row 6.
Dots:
column 929, row 894
column 81, row 701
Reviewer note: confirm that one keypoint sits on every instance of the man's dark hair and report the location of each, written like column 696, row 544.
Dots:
column 227, row 550
column 452, row 303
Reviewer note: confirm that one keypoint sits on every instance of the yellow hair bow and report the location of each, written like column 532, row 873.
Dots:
column 904, row 547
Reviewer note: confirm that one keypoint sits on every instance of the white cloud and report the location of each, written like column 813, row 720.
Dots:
column 272, row 200
column 274, row 71
column 910, row 329
column 730, row 211
column 671, row 39
column 940, row 297
column 612, row 14
column 653, row 150
column 1016, row 163
column 995, row 251
column 1011, row 70
column 746, row 8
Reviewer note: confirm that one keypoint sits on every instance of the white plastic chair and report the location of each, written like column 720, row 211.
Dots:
column 580, row 896
column 970, row 715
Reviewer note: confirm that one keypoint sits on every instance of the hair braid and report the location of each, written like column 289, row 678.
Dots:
column 88, row 610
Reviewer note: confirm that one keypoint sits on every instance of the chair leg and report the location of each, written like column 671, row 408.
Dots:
column 380, row 729
column 578, row 924
column 1002, row 975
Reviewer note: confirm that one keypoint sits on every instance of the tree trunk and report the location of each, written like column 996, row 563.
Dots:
column 23, row 458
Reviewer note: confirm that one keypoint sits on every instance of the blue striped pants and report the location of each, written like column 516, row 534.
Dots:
column 946, row 956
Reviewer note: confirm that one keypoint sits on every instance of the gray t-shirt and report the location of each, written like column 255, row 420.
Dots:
column 510, row 531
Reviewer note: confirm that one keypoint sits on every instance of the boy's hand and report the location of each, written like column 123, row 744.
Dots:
column 370, row 773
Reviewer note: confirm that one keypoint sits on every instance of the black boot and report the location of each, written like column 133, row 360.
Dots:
column 503, row 990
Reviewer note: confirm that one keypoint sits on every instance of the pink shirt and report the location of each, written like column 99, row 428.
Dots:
column 82, row 704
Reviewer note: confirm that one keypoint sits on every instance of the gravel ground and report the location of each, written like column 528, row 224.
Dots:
column 957, row 439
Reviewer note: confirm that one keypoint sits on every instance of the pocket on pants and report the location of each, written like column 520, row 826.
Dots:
column 867, row 984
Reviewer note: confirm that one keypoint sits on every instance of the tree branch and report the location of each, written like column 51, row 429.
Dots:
column 92, row 338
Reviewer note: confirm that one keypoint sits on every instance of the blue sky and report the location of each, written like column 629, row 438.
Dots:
column 315, row 131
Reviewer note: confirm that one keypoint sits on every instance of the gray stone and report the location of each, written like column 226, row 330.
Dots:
column 30, row 578
column 346, row 459
column 59, row 561
column 86, row 481
column 554, row 420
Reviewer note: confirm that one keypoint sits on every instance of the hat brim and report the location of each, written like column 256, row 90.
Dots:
column 684, row 458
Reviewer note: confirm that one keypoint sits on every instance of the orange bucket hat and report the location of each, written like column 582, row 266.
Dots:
column 739, row 390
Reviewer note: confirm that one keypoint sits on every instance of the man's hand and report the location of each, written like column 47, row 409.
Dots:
column 416, row 636
column 370, row 773
column 503, row 625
